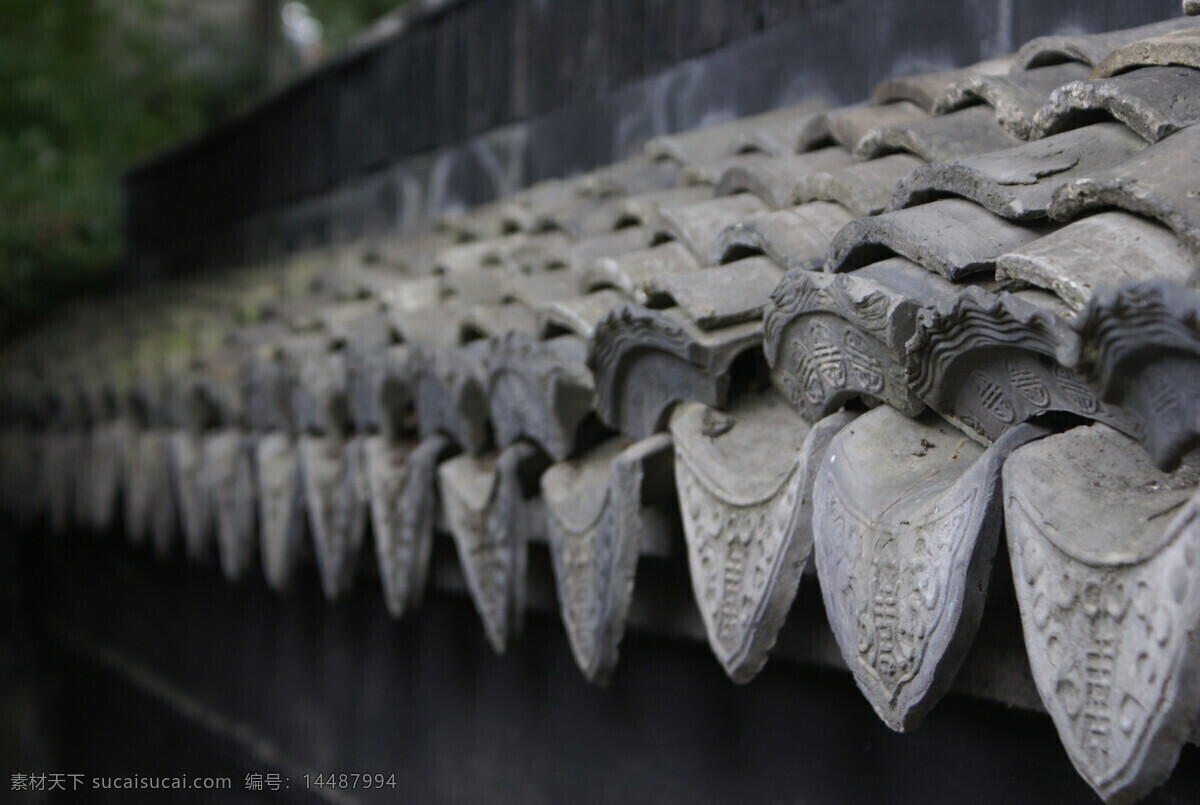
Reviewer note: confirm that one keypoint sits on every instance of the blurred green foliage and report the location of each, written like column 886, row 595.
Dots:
column 87, row 88
column 343, row 19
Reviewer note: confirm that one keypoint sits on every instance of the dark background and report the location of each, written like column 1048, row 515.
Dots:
column 131, row 665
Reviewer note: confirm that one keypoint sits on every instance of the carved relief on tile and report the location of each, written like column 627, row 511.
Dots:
column 109, row 440
column 150, row 503
column 1141, row 350
column 192, row 493
column 988, row 361
column 906, row 521
column 400, row 479
column 335, row 495
column 492, row 511
column 646, row 360
column 602, row 510
column 743, row 487
column 283, row 525
column 228, row 464
column 1106, row 556
column 831, row 338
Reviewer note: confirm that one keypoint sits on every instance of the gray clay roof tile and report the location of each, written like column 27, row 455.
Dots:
column 1089, row 49
column 710, row 173
column 864, row 188
column 1018, row 183
column 698, row 225
column 629, row 273
column 1177, row 48
column 924, row 89
column 1159, row 182
column 954, row 237
column 1085, row 509
column 710, row 143
column 845, row 127
column 775, row 180
column 1107, row 248
column 641, row 209
column 795, row 237
column 1153, row 101
column 728, row 294
column 943, row 138
column 1014, row 97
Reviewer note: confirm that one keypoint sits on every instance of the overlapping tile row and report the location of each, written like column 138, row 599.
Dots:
column 888, row 338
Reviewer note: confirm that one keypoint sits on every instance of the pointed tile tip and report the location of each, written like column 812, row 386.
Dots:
column 743, row 674
column 593, row 671
column 600, row 678
column 902, row 723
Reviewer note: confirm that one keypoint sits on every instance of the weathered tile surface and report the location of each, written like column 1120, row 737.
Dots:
column 468, row 378
column 906, row 520
column 401, row 481
column 1104, row 548
column 1107, row 248
column 1153, row 101
column 943, row 138
column 645, row 361
column 864, row 188
column 1157, row 182
column 991, row 361
column 953, row 237
column 1018, row 183
column 1139, row 346
column 832, row 338
column 796, row 238
column 775, row 181
column 603, row 510
column 1088, row 49
column 745, row 480
column 1014, row 98
column 493, row 509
